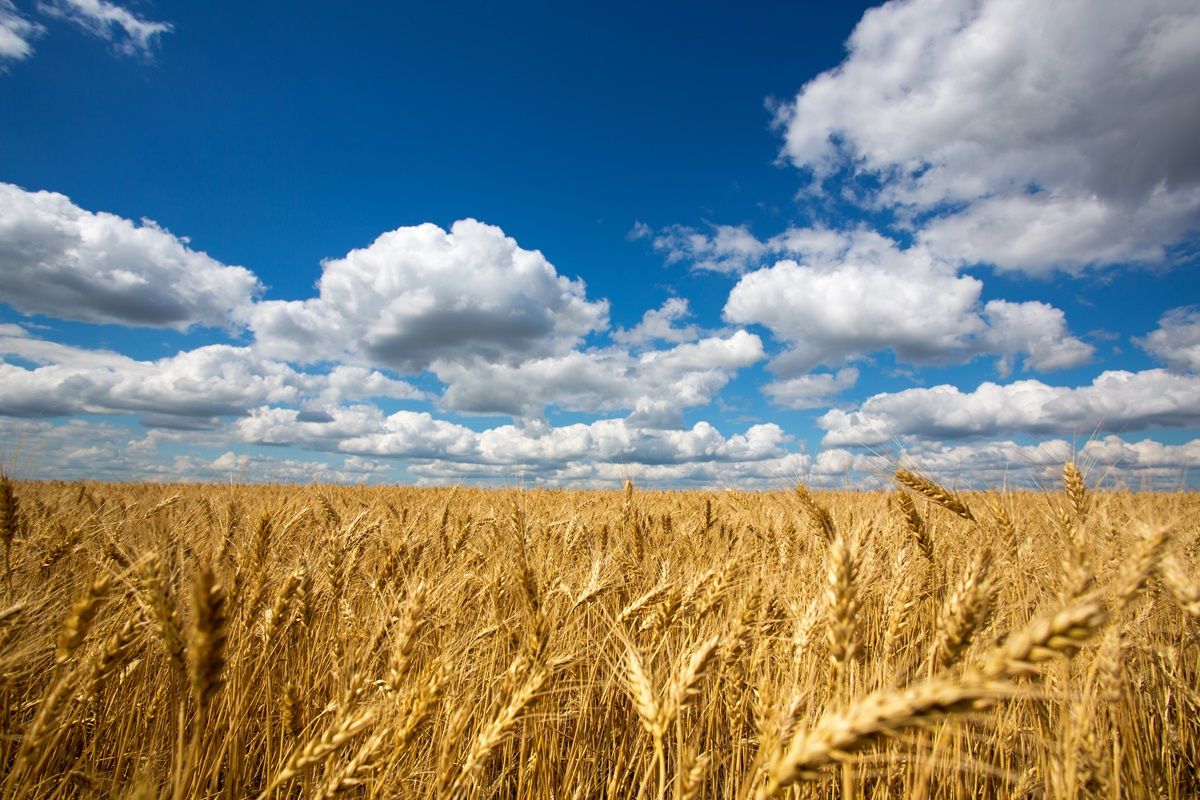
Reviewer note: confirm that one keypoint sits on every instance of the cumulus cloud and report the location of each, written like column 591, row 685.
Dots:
column 365, row 430
column 128, row 33
column 246, row 468
column 860, row 293
column 834, row 461
column 1113, row 452
column 210, row 381
column 496, row 323
column 16, row 34
column 1037, row 233
column 811, row 391
column 1036, row 329
column 614, row 441
column 734, row 249
column 772, row 473
column 1176, row 340
column 80, row 449
column 421, row 294
column 426, row 450
column 360, row 429
column 658, row 325
column 1114, row 401
column 1108, row 461
column 62, row 261
column 1065, row 130
column 728, row 248
column 683, row 376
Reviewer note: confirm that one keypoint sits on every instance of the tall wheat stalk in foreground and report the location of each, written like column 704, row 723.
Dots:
column 273, row 641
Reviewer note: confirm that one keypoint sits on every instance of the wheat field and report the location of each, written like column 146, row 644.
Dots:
column 284, row 641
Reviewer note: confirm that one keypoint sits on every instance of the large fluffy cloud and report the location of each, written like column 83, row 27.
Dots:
column 420, row 294
column 1067, row 129
column 1115, row 401
column 860, row 293
column 62, row 261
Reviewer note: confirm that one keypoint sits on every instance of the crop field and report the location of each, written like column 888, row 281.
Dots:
column 285, row 641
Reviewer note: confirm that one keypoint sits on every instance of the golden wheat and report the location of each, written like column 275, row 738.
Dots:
column 276, row 641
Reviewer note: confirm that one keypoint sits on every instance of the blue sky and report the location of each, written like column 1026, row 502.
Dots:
column 687, row 245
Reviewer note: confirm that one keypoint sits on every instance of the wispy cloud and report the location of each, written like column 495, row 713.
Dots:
column 16, row 34
column 128, row 33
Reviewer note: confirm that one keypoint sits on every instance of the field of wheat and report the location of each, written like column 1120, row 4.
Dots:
column 273, row 641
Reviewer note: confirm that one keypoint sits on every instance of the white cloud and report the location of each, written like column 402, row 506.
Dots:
column 81, row 449
column 496, row 323
column 1115, row 401
column 1073, row 122
column 658, row 325
column 16, row 34
column 1034, row 328
column 834, row 462
column 1176, row 340
column 733, row 249
column 360, row 444
column 210, row 381
column 640, row 230
column 1108, row 461
column 1037, row 234
column 683, row 376
column 859, row 293
column 62, row 261
column 245, row 468
column 364, row 430
column 1113, row 451
column 128, row 33
column 348, row 382
column 421, row 294
column 614, row 441
column 729, row 248
column 977, row 465
column 777, row 473
column 811, row 391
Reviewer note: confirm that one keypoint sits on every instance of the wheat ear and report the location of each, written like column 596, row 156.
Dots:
column 206, row 645
column 820, row 515
column 1076, row 489
column 317, row 749
column 935, row 492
